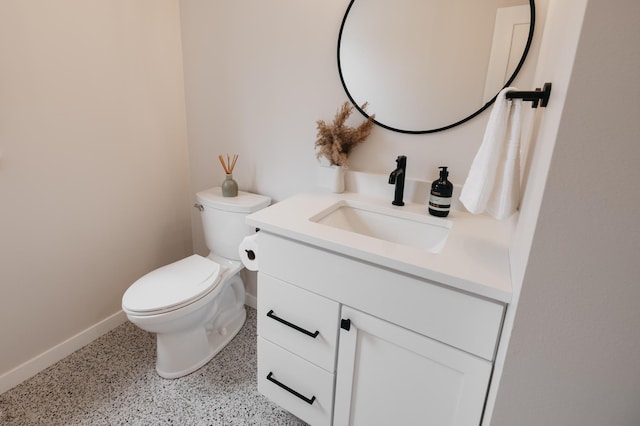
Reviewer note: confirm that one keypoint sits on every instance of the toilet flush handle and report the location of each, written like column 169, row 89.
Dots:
column 199, row 206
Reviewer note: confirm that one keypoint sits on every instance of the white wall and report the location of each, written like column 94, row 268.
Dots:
column 574, row 348
column 93, row 164
column 257, row 82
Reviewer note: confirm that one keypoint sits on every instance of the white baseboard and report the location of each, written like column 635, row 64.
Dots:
column 251, row 300
column 35, row 365
column 51, row 356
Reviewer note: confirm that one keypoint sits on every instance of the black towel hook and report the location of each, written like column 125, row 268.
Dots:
column 539, row 95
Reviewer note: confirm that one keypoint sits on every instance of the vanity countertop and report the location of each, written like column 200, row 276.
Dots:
column 474, row 259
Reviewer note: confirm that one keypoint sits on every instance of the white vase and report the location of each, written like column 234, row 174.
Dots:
column 331, row 178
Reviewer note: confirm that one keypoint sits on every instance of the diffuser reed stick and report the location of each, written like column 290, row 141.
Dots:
column 229, row 164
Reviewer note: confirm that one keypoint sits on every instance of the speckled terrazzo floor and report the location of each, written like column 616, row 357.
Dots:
column 112, row 381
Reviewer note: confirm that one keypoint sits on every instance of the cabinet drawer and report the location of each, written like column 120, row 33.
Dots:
column 456, row 318
column 296, row 385
column 298, row 320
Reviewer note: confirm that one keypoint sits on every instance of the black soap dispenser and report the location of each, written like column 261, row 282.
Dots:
column 440, row 198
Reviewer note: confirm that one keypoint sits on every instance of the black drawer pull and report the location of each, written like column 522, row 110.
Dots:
column 288, row 389
column 270, row 314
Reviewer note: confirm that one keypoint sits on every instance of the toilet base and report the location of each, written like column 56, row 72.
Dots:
column 183, row 350
column 183, row 353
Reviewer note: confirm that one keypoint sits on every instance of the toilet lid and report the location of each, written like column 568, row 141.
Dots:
column 170, row 286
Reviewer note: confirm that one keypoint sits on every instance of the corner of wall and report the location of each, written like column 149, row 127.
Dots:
column 558, row 46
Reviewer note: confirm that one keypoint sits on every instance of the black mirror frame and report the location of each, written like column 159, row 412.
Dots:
column 457, row 123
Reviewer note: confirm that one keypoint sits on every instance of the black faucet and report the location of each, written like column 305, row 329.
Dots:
column 397, row 177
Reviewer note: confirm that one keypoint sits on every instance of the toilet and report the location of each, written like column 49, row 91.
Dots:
column 196, row 305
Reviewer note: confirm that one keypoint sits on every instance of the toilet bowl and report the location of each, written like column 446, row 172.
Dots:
column 196, row 305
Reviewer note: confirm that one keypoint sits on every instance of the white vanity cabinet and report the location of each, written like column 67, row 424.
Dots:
column 390, row 348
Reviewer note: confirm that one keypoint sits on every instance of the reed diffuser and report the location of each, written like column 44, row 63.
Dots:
column 229, row 186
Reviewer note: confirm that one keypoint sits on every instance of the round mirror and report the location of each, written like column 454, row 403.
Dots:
column 424, row 66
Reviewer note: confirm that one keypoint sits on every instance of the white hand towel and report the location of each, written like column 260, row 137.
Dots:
column 493, row 183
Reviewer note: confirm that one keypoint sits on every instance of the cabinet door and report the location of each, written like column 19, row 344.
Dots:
column 388, row 375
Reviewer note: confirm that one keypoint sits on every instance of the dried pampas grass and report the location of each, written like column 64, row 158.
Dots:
column 336, row 141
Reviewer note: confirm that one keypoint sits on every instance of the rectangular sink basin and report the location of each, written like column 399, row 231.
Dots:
column 388, row 224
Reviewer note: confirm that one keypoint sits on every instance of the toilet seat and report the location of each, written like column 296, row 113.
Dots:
column 172, row 286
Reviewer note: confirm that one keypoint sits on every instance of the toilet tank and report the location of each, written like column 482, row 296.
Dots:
column 223, row 219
